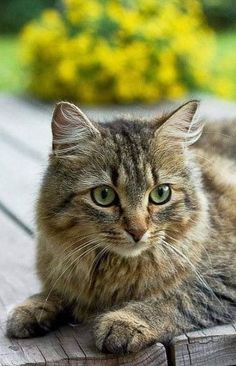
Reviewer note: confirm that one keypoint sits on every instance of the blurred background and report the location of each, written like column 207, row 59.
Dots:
column 127, row 51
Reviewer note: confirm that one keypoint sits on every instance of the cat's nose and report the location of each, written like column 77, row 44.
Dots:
column 136, row 234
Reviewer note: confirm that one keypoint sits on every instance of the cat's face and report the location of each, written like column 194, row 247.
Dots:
column 126, row 186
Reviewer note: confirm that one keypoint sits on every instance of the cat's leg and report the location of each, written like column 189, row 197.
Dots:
column 36, row 316
column 136, row 326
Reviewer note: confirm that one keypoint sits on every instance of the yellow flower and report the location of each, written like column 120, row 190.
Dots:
column 51, row 16
column 67, row 70
column 78, row 11
column 176, row 91
column 120, row 51
column 223, row 87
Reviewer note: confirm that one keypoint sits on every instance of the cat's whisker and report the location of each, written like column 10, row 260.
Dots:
column 199, row 277
column 77, row 261
column 204, row 158
column 78, row 241
column 181, row 263
column 70, row 252
column 96, row 259
column 202, row 247
column 171, row 262
column 66, row 269
column 74, row 252
column 182, row 255
column 183, row 245
column 219, row 134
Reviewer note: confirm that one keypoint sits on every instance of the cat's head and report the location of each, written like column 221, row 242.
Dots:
column 126, row 186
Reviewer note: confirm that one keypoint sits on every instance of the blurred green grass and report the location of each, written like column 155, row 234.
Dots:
column 14, row 80
column 224, row 63
column 11, row 73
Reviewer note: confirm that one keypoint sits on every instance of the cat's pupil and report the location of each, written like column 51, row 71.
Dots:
column 104, row 193
column 160, row 191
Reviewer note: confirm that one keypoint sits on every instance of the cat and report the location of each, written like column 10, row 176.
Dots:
column 136, row 229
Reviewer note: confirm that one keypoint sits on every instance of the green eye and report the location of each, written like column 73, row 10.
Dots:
column 160, row 194
column 104, row 196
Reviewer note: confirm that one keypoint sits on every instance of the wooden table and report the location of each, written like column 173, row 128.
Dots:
column 24, row 144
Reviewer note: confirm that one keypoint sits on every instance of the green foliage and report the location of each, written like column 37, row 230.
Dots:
column 12, row 78
column 15, row 13
column 224, row 62
column 220, row 13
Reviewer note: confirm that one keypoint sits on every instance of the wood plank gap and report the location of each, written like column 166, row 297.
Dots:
column 63, row 348
column 76, row 340
column 189, row 354
column 16, row 220
column 18, row 145
column 170, row 357
column 45, row 361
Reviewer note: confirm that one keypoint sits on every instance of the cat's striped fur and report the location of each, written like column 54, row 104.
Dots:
column 181, row 275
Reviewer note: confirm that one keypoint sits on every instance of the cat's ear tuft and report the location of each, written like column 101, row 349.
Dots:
column 183, row 125
column 71, row 128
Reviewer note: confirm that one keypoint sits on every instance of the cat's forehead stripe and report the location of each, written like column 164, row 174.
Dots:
column 114, row 176
column 151, row 175
column 131, row 171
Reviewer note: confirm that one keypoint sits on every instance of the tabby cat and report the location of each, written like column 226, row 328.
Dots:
column 136, row 229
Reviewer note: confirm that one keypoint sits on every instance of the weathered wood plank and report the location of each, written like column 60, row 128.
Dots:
column 17, row 281
column 26, row 126
column 152, row 356
column 208, row 347
column 17, row 273
column 20, row 177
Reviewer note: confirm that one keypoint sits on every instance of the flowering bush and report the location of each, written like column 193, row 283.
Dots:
column 118, row 51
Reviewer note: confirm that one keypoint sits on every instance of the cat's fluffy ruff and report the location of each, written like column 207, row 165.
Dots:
column 181, row 276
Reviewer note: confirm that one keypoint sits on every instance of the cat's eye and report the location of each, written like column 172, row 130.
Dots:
column 104, row 196
column 160, row 194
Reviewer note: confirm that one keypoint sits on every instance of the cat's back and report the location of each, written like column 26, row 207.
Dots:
column 216, row 155
column 219, row 137
column 218, row 170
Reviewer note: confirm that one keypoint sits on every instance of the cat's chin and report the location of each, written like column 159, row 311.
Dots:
column 129, row 251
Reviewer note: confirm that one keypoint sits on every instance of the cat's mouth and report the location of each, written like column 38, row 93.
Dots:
column 131, row 248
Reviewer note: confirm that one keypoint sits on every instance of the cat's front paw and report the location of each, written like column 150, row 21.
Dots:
column 122, row 332
column 25, row 322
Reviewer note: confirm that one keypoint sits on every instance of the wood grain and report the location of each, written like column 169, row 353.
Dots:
column 19, row 183
column 208, row 347
column 17, row 274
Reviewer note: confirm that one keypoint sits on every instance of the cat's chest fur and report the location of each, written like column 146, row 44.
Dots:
column 111, row 280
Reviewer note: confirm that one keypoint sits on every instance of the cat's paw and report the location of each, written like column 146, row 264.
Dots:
column 25, row 322
column 122, row 332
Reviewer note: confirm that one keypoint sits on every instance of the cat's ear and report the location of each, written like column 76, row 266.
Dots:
column 71, row 128
column 182, row 126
